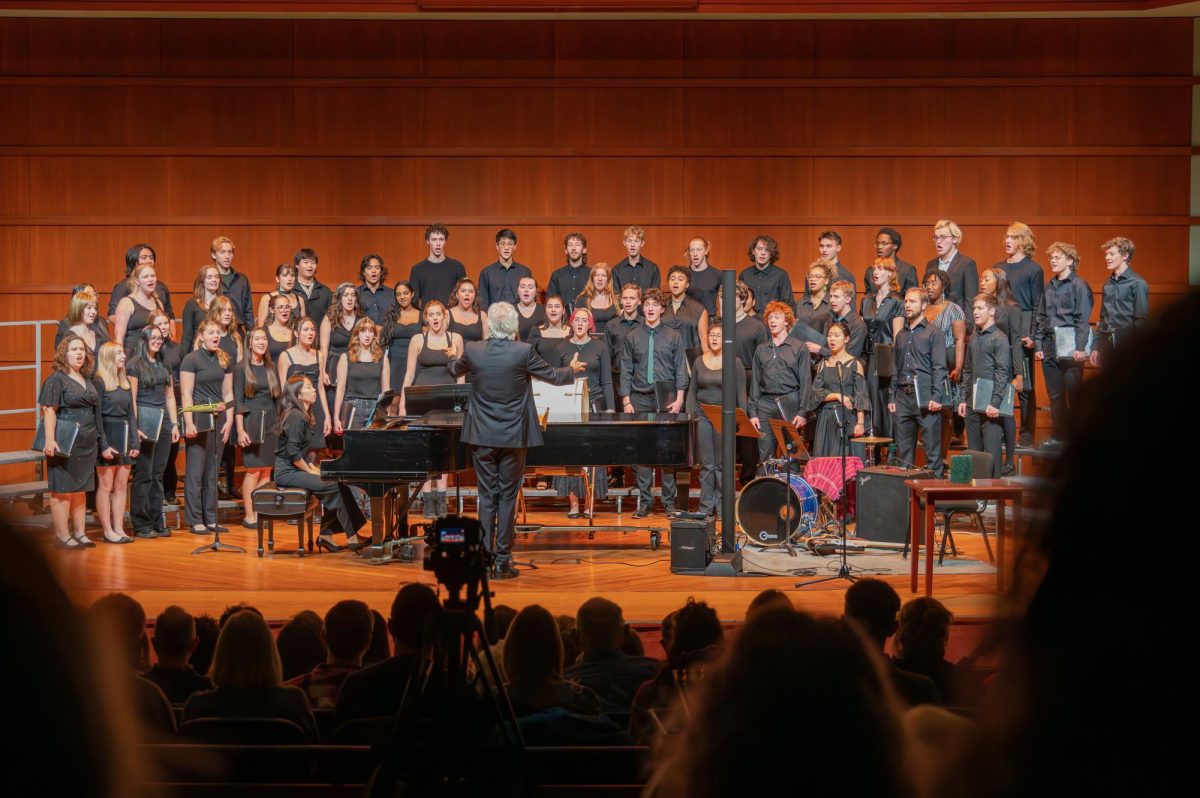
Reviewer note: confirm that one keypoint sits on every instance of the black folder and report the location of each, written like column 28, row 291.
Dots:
column 65, row 434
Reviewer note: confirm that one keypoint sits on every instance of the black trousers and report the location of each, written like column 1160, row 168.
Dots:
column 708, row 441
column 146, row 496
column 170, row 480
column 1028, row 395
column 910, row 418
column 229, row 462
column 645, row 403
column 766, row 409
column 984, row 434
column 203, row 456
column 338, row 514
column 1064, row 379
column 499, row 472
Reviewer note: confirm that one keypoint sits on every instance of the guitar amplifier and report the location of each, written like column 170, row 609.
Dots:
column 882, row 513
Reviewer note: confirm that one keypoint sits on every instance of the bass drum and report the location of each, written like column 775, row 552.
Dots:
column 772, row 511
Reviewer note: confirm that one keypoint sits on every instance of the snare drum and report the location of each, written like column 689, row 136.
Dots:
column 772, row 511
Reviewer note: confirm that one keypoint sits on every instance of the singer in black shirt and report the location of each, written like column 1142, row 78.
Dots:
column 917, row 389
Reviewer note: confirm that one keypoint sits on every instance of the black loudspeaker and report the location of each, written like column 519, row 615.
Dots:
column 691, row 545
column 882, row 513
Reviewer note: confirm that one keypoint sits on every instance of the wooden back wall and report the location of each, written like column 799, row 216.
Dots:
column 350, row 136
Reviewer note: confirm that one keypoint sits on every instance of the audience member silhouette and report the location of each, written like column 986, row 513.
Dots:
column 533, row 664
column 248, row 679
column 873, row 604
column 120, row 622
column 614, row 675
column 346, row 633
column 174, row 642
column 301, row 645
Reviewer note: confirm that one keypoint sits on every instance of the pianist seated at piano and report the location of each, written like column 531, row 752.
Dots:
column 293, row 471
column 501, row 421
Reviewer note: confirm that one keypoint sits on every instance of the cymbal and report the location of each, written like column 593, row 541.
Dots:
column 871, row 439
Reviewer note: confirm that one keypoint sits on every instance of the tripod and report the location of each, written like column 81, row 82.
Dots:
column 455, row 732
column 216, row 544
column 839, row 416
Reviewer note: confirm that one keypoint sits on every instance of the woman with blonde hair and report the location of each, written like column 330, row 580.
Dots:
column 205, row 377
column 83, row 319
column 133, row 310
column 363, row 373
column 120, row 430
column 221, row 313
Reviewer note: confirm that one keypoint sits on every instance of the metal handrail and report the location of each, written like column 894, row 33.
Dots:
column 35, row 366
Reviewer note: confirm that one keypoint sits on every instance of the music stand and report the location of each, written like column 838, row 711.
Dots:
column 788, row 442
column 420, row 399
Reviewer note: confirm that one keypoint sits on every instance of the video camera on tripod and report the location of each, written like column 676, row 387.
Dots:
column 455, row 553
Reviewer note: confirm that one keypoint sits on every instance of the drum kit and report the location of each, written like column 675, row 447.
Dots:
column 781, row 509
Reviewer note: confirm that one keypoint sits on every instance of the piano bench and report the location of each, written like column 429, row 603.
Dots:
column 273, row 503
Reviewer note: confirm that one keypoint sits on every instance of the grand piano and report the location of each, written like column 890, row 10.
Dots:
column 394, row 455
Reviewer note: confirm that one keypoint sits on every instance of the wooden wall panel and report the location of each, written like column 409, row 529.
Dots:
column 79, row 186
column 746, row 49
column 488, row 117
column 229, row 47
column 879, row 48
column 740, row 118
column 14, row 257
column 748, row 187
column 97, row 116
column 503, row 49
column 94, row 47
column 1008, row 116
column 648, row 187
column 625, row 49
column 596, row 117
column 1132, row 186
column 880, row 187
column 1008, row 47
column 14, row 176
column 903, row 117
column 480, row 186
column 994, row 186
column 338, row 116
column 232, row 186
column 243, row 116
column 96, row 254
column 358, row 48
column 1119, row 115
column 14, row 46
column 1147, row 47
column 14, row 104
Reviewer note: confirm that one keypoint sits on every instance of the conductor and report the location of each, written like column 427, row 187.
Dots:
column 501, row 421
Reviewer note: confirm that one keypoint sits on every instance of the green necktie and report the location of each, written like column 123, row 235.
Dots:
column 650, row 358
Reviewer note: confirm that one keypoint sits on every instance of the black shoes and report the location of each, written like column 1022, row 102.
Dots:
column 325, row 544
column 70, row 544
column 147, row 534
column 81, row 541
column 506, row 571
column 642, row 512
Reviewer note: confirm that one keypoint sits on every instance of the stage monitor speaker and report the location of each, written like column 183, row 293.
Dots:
column 691, row 545
column 882, row 513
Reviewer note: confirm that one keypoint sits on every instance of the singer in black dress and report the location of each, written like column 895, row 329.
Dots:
column 593, row 353
column 840, row 389
column 120, row 431
column 153, row 388
column 303, row 359
column 363, row 375
column 707, row 388
column 402, row 324
column 255, row 389
column 882, row 310
column 68, row 395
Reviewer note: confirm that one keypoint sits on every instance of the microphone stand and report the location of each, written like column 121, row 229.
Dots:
column 844, row 444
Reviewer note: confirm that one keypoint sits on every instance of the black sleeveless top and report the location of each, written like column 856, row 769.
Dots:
column 364, row 380
column 137, row 322
column 339, row 344
column 469, row 332
column 431, row 365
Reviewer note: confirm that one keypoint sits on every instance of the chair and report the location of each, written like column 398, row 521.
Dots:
column 273, row 503
column 243, row 731
column 364, row 731
column 981, row 468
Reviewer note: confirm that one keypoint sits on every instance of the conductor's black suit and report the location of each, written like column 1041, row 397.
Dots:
column 501, row 423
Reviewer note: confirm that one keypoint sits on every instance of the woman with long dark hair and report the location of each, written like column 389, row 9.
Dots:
column 467, row 318
column 402, row 324
column 1008, row 321
column 547, row 337
column 281, row 327
column 172, row 356
column 153, row 387
column 69, row 395
column 206, row 377
column 840, row 393
column 255, row 389
column 292, row 470
column 285, row 286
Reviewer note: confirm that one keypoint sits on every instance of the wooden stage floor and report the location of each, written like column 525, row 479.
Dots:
column 570, row 569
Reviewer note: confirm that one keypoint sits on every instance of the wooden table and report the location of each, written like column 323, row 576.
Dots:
column 923, row 497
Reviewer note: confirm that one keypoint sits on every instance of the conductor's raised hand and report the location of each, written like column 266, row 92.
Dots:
column 575, row 365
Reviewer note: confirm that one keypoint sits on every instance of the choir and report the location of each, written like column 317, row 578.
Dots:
column 903, row 361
